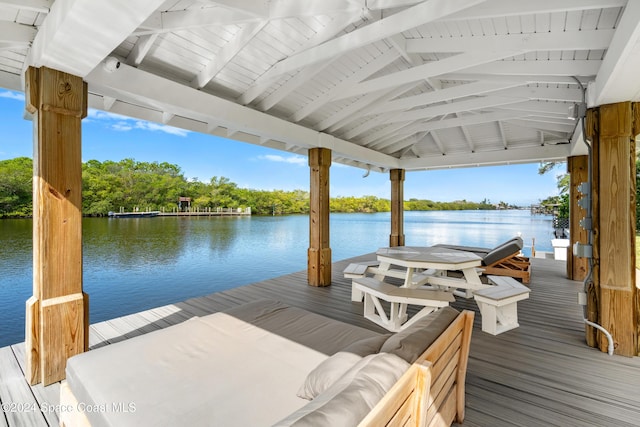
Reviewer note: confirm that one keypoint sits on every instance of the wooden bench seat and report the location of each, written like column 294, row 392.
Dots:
column 499, row 304
column 375, row 290
column 357, row 270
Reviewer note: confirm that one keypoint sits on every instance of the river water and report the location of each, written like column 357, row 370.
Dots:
column 130, row 265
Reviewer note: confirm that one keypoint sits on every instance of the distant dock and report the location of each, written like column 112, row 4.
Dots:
column 190, row 213
column 211, row 212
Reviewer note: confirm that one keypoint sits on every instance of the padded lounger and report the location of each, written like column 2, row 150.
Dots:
column 503, row 260
column 249, row 359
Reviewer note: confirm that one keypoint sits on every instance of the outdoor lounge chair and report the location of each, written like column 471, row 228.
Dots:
column 503, row 260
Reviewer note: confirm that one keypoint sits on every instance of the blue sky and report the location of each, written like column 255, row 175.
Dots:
column 110, row 137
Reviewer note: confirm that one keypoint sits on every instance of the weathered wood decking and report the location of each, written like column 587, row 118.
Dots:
column 540, row 374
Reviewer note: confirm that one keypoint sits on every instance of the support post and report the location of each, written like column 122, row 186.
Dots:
column 57, row 318
column 319, row 253
column 613, row 195
column 578, row 173
column 396, row 238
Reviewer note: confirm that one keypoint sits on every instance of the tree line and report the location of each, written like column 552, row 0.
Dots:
column 128, row 184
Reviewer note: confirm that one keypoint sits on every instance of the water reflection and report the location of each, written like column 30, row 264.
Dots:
column 131, row 265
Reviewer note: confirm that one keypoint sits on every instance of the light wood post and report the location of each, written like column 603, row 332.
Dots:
column 396, row 238
column 57, row 318
column 613, row 128
column 319, row 253
column 578, row 172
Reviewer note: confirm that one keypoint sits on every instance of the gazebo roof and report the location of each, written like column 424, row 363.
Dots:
column 384, row 84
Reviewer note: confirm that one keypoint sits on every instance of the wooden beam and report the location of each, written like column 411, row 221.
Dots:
column 396, row 238
column 617, row 78
column 136, row 88
column 446, row 94
column 78, row 34
column 544, row 68
column 578, row 171
column 319, row 253
column 549, row 41
column 402, row 21
column 430, row 69
column 504, row 8
column 227, row 53
column 478, row 103
column 56, row 315
column 616, row 231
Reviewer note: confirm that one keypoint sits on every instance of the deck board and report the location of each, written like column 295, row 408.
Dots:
column 541, row 373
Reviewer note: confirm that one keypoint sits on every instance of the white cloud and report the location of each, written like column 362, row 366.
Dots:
column 125, row 124
column 12, row 95
column 154, row 127
column 294, row 160
column 105, row 115
column 121, row 126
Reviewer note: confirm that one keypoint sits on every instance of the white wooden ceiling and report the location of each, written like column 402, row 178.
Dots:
column 383, row 83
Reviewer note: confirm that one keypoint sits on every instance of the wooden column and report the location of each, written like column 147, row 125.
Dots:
column 613, row 128
column 319, row 253
column 57, row 321
column 578, row 172
column 397, row 207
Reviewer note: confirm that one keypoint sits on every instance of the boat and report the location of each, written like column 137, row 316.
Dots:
column 133, row 214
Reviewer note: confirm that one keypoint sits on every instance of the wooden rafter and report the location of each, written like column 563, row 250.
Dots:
column 567, row 40
column 68, row 21
column 405, row 20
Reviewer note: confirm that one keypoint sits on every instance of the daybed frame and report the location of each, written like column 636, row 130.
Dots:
column 430, row 393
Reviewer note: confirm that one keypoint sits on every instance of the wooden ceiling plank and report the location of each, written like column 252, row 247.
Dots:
column 13, row 33
column 291, row 85
column 470, row 120
column 227, row 53
column 140, row 49
column 543, row 68
column 377, row 64
column 404, row 20
column 567, row 40
column 280, row 9
column 540, row 125
column 261, row 84
column 446, row 94
column 39, row 6
column 430, row 69
column 78, row 34
column 530, row 154
column 454, row 107
column 362, row 112
column 504, row 8
column 179, row 20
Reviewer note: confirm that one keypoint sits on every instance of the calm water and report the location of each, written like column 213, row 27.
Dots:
column 135, row 264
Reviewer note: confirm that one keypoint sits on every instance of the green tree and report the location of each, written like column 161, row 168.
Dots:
column 16, row 187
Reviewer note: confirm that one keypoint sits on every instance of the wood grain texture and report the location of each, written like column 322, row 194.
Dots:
column 32, row 341
column 319, row 253
column 396, row 238
column 578, row 172
column 616, row 276
column 58, row 102
column 64, row 314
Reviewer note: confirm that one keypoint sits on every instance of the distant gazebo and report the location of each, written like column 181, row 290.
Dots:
column 182, row 201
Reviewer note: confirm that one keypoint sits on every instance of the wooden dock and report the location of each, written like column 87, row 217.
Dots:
column 540, row 374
